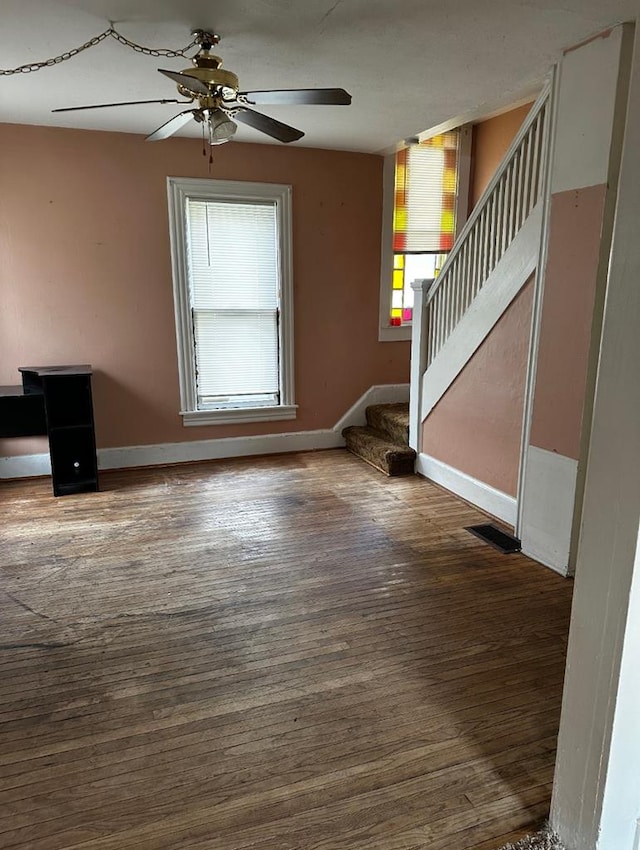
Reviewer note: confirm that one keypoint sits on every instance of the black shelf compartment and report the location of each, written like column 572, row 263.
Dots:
column 73, row 460
column 68, row 400
column 21, row 415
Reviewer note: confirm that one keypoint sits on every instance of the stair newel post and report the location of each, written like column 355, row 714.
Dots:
column 419, row 339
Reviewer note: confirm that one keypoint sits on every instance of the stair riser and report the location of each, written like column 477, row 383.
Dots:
column 392, row 420
column 389, row 459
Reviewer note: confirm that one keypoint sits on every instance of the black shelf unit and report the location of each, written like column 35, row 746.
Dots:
column 56, row 401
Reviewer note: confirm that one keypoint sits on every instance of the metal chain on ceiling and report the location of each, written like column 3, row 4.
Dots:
column 109, row 33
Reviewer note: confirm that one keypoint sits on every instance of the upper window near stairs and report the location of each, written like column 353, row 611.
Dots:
column 419, row 223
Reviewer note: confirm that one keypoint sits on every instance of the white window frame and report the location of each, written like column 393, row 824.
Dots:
column 179, row 189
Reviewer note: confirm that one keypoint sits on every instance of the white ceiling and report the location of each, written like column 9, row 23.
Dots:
column 409, row 64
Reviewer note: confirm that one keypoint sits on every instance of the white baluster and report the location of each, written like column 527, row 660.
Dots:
column 450, row 295
column 419, row 336
column 437, row 306
column 493, row 221
column 442, row 307
column 444, row 304
column 522, row 159
column 475, row 262
column 466, row 264
column 502, row 214
column 535, row 161
column 457, row 293
column 513, row 197
column 481, row 254
column 432, row 327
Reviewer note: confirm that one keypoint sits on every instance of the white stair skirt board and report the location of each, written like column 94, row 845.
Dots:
column 28, row 466
column 482, row 495
column 503, row 284
column 377, row 394
column 547, row 508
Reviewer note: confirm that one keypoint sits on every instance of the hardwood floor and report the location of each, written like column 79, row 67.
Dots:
column 277, row 653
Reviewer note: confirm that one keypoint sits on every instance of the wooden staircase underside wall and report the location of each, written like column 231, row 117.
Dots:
column 505, row 282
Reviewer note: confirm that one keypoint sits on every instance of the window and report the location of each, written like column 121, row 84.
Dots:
column 419, row 224
column 407, row 268
column 231, row 254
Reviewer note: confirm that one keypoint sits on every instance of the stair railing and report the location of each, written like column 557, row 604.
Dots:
column 501, row 211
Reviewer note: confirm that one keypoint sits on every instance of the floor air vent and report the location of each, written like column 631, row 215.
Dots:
column 492, row 535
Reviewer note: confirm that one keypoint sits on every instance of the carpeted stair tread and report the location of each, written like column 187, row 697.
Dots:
column 378, row 449
column 392, row 419
column 546, row 839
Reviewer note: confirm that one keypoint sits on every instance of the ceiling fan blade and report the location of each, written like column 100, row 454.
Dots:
column 190, row 83
column 273, row 128
column 123, row 103
column 329, row 97
column 171, row 126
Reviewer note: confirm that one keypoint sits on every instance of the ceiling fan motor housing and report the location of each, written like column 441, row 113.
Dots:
column 208, row 69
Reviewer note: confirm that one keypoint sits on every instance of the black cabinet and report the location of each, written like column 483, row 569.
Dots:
column 56, row 401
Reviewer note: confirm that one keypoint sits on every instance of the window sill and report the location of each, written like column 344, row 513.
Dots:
column 397, row 334
column 238, row 415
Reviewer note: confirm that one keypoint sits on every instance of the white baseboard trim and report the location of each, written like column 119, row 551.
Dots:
column 194, row 450
column 31, row 466
column 160, row 454
column 485, row 497
column 377, row 394
column 25, row 466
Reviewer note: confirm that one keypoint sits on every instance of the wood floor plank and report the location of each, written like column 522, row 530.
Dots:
column 288, row 652
column 427, row 723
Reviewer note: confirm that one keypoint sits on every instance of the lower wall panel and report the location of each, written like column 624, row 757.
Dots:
column 547, row 507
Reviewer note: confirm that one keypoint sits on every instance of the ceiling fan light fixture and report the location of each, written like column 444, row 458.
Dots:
column 221, row 128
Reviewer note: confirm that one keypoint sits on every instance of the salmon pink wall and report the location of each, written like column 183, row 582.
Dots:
column 86, row 274
column 565, row 329
column 477, row 425
column 491, row 140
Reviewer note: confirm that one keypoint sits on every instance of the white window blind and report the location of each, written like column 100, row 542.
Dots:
column 425, row 192
column 233, row 269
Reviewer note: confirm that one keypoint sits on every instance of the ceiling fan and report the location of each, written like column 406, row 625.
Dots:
column 221, row 104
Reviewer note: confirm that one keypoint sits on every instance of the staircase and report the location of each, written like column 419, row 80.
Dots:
column 491, row 260
column 495, row 254
column 384, row 441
